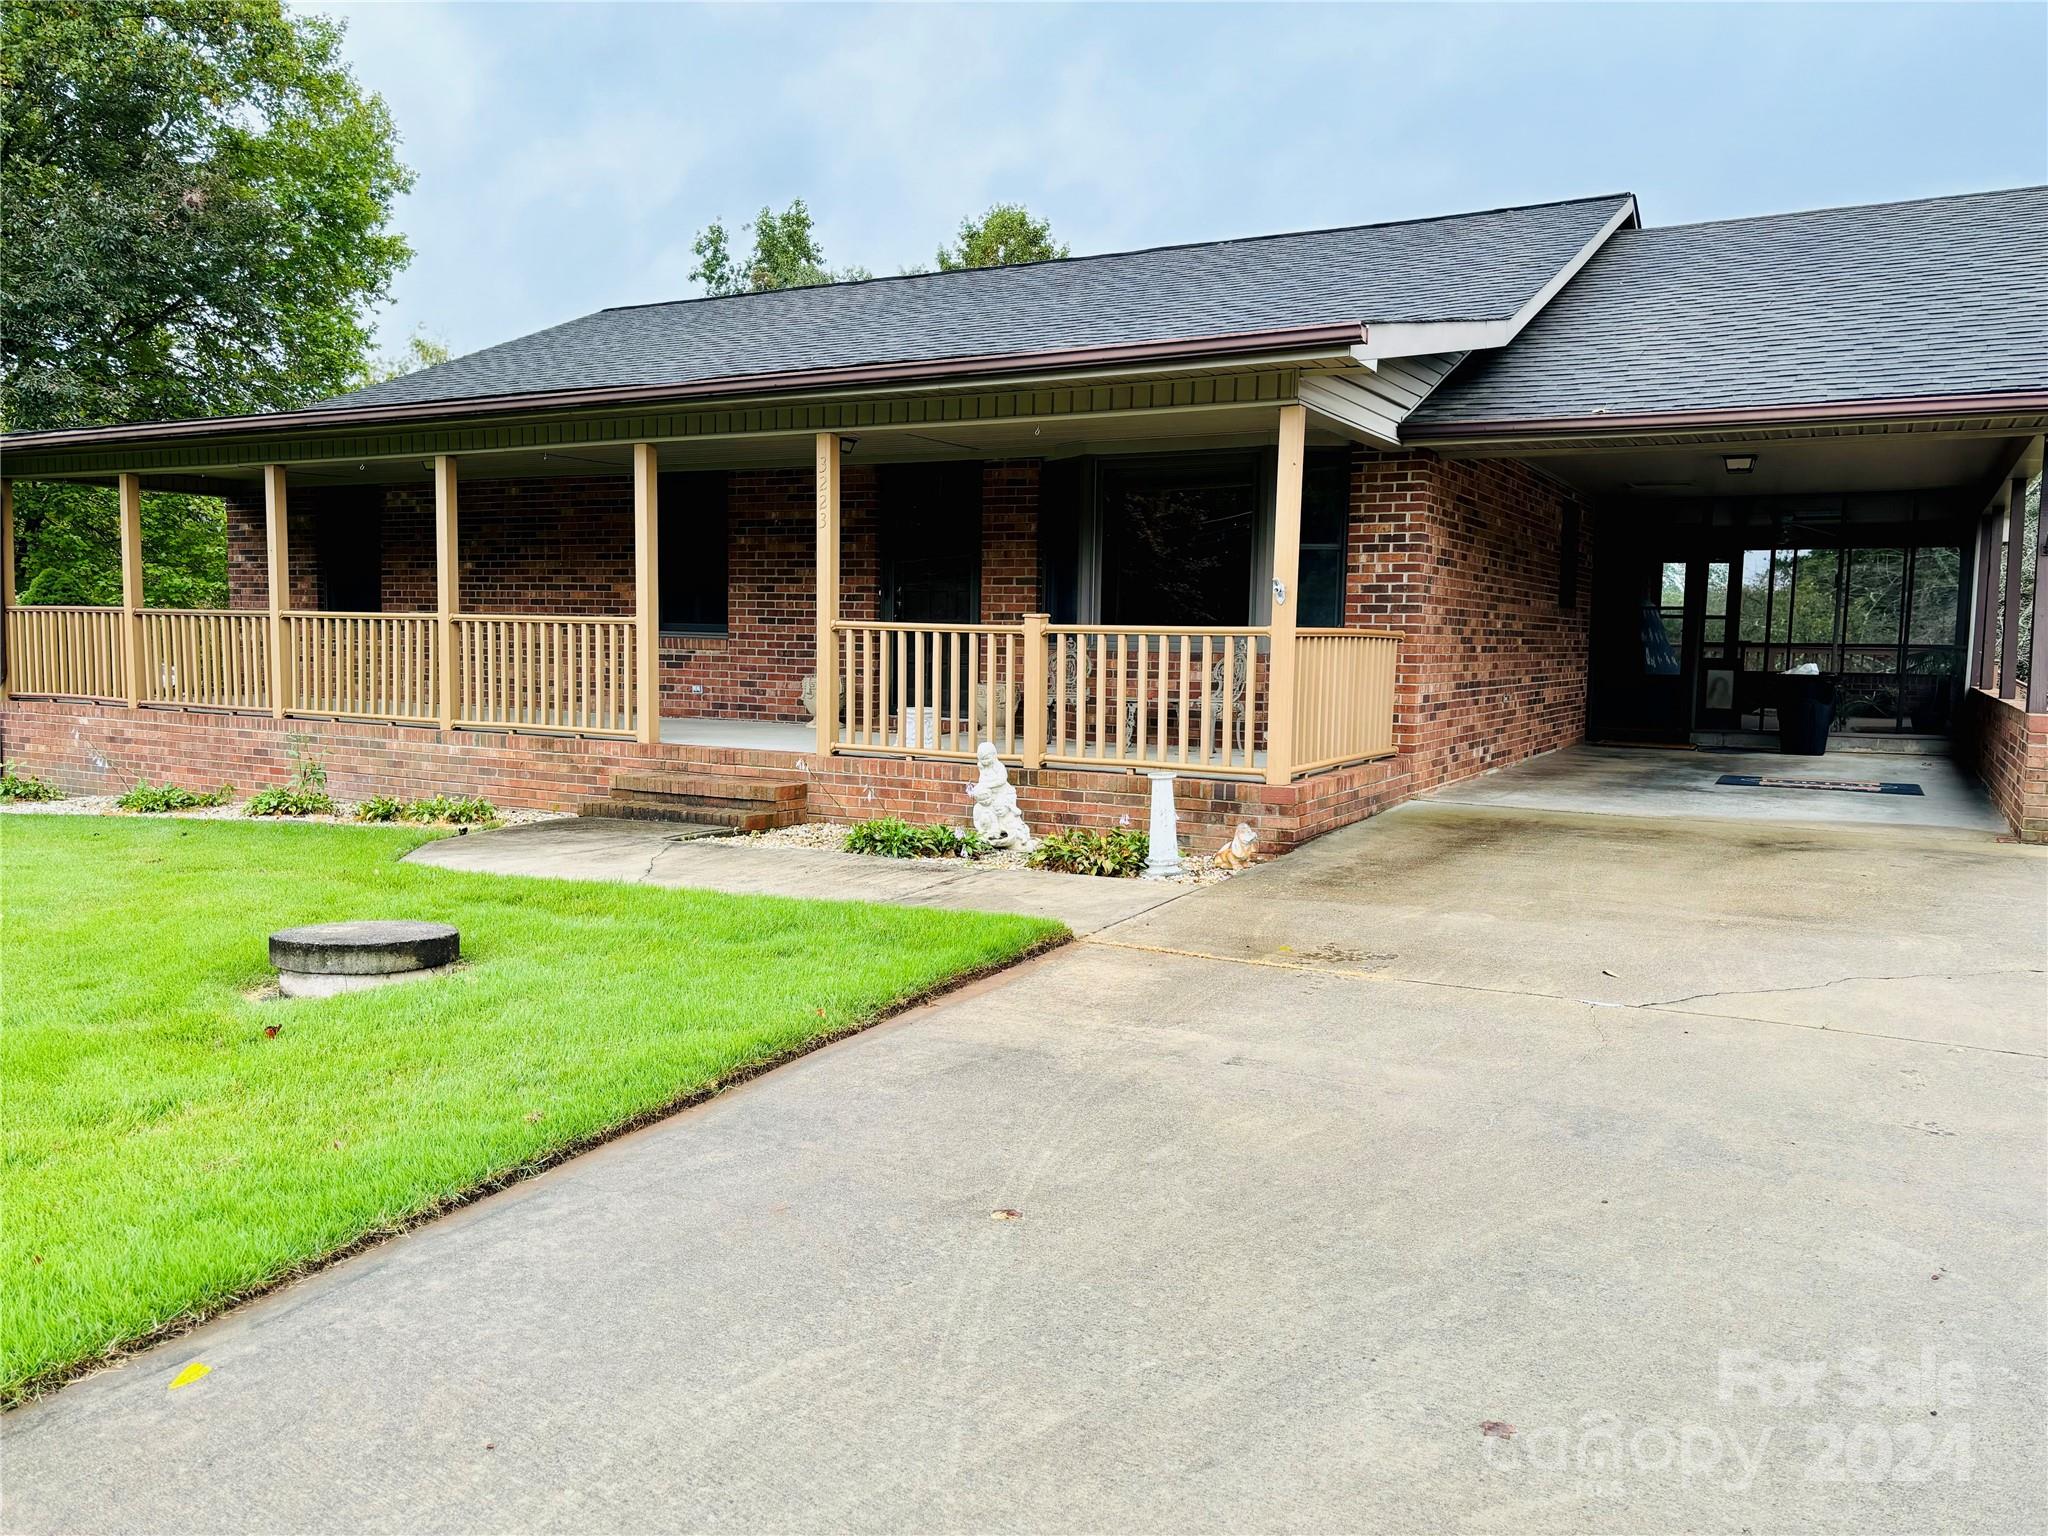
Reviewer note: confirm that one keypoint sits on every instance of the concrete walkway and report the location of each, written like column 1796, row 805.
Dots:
column 1615, row 1135
column 662, row 853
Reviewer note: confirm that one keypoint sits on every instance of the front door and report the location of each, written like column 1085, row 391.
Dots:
column 931, row 569
column 1643, row 678
column 1715, row 596
column 931, row 543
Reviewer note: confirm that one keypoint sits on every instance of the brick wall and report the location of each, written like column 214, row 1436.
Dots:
column 87, row 749
column 1009, row 541
column 1464, row 560
column 2007, row 748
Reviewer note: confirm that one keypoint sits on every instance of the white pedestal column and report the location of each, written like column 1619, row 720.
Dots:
column 1162, row 861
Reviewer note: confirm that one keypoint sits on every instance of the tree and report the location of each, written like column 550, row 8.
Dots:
column 786, row 254
column 197, row 196
column 420, row 351
column 1002, row 237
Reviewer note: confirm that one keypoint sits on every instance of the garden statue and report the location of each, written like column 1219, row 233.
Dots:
column 997, row 820
column 1238, row 852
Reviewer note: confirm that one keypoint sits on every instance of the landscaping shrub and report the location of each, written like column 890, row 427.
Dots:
column 305, row 795
column 894, row 838
column 379, row 808
column 150, row 798
column 467, row 812
column 289, row 800
column 22, row 786
column 1118, row 853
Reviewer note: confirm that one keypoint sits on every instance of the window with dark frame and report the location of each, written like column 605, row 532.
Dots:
column 1325, row 519
column 694, row 570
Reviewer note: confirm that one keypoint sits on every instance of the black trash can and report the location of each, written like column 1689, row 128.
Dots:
column 1806, row 708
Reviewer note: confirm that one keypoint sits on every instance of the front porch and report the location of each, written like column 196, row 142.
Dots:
column 652, row 606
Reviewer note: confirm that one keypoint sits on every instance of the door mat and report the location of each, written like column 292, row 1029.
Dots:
column 1854, row 786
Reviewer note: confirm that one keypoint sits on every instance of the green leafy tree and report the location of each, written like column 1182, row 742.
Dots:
column 785, row 254
column 196, row 196
column 1002, row 237
column 420, row 351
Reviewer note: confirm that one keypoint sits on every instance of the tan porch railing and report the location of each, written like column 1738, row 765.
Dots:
column 205, row 658
column 1179, row 699
column 1191, row 700
column 1197, row 701
column 1343, row 696
column 66, row 652
column 560, row 674
column 361, row 666
column 931, row 690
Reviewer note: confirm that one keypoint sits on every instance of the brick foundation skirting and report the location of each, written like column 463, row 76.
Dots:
column 2007, row 748
column 101, row 749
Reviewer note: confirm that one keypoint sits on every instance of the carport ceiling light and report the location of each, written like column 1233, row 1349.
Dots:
column 1738, row 463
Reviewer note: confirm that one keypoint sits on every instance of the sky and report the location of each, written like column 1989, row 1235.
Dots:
column 567, row 154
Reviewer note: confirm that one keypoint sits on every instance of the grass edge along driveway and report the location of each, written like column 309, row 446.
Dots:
column 161, row 1157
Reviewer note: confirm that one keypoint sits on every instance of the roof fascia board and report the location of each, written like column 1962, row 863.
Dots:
column 1252, row 392
column 1408, row 340
column 1034, row 370
column 1535, row 430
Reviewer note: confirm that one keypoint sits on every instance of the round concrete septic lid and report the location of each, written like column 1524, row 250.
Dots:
column 364, row 948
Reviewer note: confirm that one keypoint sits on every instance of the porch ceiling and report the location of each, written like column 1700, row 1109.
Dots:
column 1845, row 462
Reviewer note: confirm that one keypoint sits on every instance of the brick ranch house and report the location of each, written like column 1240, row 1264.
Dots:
column 1316, row 521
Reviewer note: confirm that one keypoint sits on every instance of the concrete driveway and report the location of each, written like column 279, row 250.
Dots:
column 1703, row 1161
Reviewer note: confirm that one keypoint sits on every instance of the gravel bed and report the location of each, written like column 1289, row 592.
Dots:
column 344, row 812
column 1196, row 868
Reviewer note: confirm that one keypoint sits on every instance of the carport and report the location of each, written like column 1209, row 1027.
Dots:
column 1864, row 789
column 1803, row 441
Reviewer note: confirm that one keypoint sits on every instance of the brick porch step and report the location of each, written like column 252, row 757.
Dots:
column 713, row 786
column 709, row 800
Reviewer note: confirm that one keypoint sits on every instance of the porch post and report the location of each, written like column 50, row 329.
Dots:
column 828, row 590
column 2015, row 554
column 6, row 582
column 2037, row 663
column 646, row 595
column 1035, row 664
column 447, row 585
column 1984, row 663
column 131, row 587
column 1286, row 602
column 275, row 540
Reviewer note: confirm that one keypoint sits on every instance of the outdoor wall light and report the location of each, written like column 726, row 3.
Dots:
column 1739, row 463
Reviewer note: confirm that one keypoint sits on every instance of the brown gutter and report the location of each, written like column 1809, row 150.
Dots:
column 2020, row 401
column 1346, row 334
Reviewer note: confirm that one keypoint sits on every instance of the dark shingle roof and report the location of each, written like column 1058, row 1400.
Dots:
column 1945, row 296
column 1479, row 266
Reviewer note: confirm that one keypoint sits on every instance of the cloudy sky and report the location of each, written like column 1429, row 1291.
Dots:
column 568, row 153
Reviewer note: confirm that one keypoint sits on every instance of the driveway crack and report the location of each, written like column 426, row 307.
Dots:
column 1822, row 986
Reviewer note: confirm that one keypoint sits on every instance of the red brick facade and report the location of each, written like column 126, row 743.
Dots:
column 1465, row 560
column 2007, row 748
column 95, row 749
column 1468, row 561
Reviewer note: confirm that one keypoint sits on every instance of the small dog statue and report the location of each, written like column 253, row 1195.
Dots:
column 1239, row 852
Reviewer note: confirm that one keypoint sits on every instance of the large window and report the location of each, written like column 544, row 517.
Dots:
column 693, row 554
column 348, row 541
column 1884, row 620
column 1177, row 540
column 1185, row 541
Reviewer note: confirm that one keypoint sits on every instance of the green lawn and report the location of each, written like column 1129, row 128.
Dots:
column 159, row 1155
